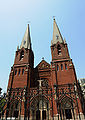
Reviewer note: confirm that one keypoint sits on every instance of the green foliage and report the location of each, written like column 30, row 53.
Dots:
column 2, row 103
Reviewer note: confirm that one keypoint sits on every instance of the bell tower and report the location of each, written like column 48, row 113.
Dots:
column 59, row 48
column 21, row 71
column 65, row 71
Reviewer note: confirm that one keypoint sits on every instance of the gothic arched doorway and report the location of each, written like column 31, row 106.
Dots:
column 67, row 108
column 39, row 109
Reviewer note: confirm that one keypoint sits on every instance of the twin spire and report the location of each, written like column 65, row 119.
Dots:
column 26, row 42
column 56, row 34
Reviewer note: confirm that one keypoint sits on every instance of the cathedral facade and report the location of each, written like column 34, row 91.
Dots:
column 47, row 91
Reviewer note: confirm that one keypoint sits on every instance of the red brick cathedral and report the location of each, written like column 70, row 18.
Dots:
column 47, row 91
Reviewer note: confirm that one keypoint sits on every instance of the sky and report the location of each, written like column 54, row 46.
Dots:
column 16, row 14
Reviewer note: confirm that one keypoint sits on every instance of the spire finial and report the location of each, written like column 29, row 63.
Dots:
column 42, row 58
column 53, row 17
column 28, row 22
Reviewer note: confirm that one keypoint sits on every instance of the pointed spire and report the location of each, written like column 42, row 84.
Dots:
column 26, row 42
column 56, row 34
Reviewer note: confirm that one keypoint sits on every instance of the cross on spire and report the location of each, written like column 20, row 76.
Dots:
column 53, row 17
column 57, row 37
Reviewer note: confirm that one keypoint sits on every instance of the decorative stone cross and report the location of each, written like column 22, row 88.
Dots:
column 40, row 83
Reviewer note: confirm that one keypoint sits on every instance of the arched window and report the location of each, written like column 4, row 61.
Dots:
column 61, row 66
column 57, row 67
column 65, row 66
column 59, row 49
column 22, row 54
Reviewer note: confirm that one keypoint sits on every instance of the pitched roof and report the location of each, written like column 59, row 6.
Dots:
column 43, row 65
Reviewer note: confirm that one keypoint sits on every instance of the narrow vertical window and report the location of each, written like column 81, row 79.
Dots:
column 22, row 71
column 65, row 66
column 59, row 49
column 57, row 67
column 15, row 72
column 16, row 54
column 19, row 72
column 61, row 66
column 22, row 54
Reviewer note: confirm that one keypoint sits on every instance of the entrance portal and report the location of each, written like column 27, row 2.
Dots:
column 39, row 109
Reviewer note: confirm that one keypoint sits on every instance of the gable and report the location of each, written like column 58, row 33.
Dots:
column 43, row 65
